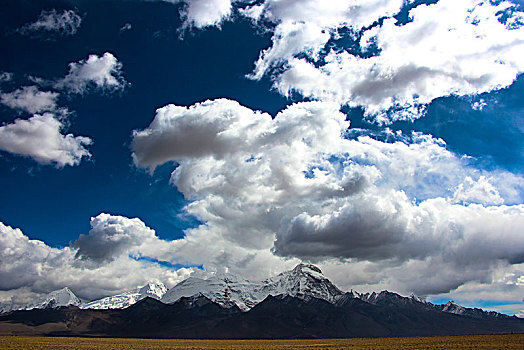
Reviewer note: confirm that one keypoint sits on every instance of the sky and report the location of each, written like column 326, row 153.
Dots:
column 150, row 140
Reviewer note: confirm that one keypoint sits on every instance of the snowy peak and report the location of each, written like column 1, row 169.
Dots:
column 389, row 298
column 57, row 298
column 454, row 308
column 307, row 268
column 226, row 290
column 304, row 281
column 154, row 290
column 386, row 298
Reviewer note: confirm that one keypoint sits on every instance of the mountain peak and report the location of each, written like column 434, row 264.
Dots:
column 304, row 281
column 155, row 290
column 54, row 299
column 304, row 267
column 386, row 297
column 453, row 308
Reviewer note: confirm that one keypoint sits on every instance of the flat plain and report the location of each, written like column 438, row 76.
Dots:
column 503, row 341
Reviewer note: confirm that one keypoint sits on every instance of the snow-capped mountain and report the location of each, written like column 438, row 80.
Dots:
column 454, row 308
column 304, row 281
column 154, row 290
column 387, row 297
column 57, row 298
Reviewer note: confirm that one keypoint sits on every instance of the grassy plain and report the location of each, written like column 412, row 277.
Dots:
column 506, row 341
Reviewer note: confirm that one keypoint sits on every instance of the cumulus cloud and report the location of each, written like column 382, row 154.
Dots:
column 446, row 49
column 340, row 51
column 30, row 266
column 307, row 26
column 272, row 191
column 315, row 13
column 205, row 13
column 110, row 236
column 357, row 53
column 357, row 13
column 30, row 99
column 98, row 72
column 22, row 257
column 481, row 191
column 40, row 138
column 380, row 227
column 66, row 22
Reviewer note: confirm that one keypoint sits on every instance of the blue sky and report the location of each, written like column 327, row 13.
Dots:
column 381, row 141
column 184, row 74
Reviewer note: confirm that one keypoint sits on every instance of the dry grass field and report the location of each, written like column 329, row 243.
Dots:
column 507, row 341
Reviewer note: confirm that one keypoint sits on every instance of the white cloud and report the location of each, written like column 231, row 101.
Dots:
column 99, row 72
column 479, row 105
column 30, row 99
column 449, row 48
column 30, row 266
column 66, row 22
column 40, row 138
column 22, row 257
column 306, row 26
column 112, row 236
column 205, row 13
column 481, row 191
column 317, row 13
column 290, row 39
column 271, row 192
column 357, row 13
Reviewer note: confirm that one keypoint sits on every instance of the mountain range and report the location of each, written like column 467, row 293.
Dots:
column 301, row 303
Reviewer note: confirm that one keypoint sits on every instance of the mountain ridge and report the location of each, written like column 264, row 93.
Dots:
column 154, row 290
column 305, row 281
column 57, row 298
column 276, row 317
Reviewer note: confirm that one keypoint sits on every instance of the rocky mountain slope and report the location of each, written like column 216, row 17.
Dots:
column 298, row 303
column 57, row 298
column 279, row 317
column 304, row 281
column 153, row 290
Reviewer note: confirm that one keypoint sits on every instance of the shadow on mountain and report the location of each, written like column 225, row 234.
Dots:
column 282, row 317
